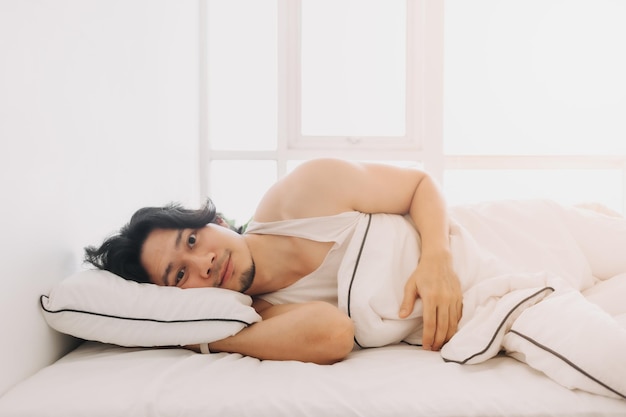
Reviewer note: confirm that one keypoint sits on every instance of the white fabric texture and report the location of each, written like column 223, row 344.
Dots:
column 321, row 284
column 522, row 266
column 98, row 380
column 100, row 306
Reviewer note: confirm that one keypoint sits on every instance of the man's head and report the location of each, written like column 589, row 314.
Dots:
column 144, row 248
column 209, row 256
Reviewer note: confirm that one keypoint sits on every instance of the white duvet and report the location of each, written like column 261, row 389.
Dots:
column 542, row 282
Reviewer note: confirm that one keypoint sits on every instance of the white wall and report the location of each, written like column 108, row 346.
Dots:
column 98, row 117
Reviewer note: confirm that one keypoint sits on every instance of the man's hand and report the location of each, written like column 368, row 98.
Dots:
column 436, row 283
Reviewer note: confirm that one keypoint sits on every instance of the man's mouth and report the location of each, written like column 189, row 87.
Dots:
column 226, row 271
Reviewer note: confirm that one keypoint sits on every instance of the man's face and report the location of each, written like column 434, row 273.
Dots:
column 211, row 256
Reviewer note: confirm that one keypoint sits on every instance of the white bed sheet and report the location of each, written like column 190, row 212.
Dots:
column 109, row 381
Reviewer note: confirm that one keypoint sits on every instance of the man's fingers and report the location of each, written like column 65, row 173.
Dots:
column 455, row 317
column 408, row 301
column 453, row 322
column 440, row 324
column 443, row 324
column 430, row 325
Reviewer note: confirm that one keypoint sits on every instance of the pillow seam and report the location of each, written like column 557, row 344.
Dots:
column 111, row 316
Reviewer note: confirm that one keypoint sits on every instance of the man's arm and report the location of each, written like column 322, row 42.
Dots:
column 328, row 186
column 434, row 280
column 309, row 332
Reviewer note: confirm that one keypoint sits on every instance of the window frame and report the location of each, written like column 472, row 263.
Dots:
column 423, row 142
column 424, row 118
column 413, row 117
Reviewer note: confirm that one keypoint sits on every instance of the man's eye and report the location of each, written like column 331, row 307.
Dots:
column 191, row 240
column 180, row 275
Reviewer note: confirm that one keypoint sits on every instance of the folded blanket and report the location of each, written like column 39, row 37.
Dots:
column 522, row 266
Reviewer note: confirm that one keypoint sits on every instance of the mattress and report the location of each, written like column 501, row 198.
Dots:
column 400, row 380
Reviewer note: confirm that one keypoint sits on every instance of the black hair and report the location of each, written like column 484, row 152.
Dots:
column 120, row 253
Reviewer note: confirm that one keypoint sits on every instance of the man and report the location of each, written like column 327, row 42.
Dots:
column 288, row 257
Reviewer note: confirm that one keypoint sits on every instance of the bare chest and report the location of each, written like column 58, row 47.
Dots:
column 288, row 259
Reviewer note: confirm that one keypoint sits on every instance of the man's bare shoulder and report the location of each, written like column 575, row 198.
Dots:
column 310, row 190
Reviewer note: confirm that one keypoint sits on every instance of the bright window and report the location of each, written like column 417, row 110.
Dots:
column 537, row 79
column 353, row 67
column 508, row 99
column 241, row 74
column 290, row 80
column 238, row 185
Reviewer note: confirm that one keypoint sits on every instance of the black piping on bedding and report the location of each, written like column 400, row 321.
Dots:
column 69, row 310
column 356, row 266
column 568, row 362
column 502, row 323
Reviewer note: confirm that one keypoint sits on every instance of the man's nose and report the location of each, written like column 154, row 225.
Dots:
column 204, row 264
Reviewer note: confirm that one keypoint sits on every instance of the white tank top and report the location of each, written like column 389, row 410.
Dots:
column 321, row 284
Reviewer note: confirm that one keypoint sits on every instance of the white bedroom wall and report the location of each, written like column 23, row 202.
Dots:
column 98, row 117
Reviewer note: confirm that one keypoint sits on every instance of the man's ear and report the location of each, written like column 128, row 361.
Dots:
column 221, row 222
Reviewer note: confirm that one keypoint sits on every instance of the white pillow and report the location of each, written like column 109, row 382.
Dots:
column 98, row 305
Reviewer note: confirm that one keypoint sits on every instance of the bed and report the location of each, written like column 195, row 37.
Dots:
column 103, row 379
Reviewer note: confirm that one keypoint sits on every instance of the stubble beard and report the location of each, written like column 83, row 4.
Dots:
column 247, row 278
